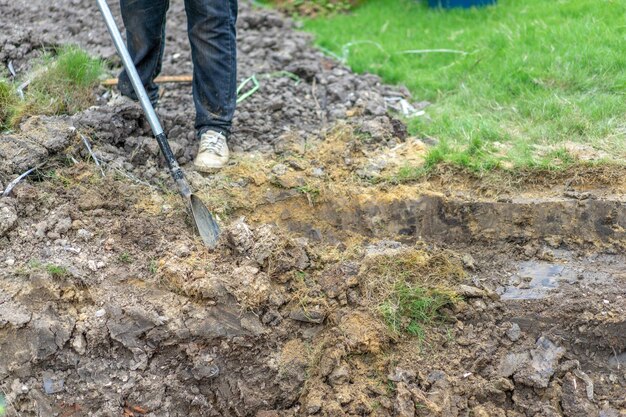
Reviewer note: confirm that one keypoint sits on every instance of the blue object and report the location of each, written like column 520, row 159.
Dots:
column 449, row 4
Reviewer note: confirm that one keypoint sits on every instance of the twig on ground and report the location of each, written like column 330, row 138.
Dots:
column 93, row 156
column 110, row 82
column 320, row 111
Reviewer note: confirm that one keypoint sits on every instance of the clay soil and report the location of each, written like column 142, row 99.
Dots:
column 111, row 306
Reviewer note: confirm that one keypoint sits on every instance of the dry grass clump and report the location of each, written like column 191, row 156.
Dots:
column 409, row 287
column 61, row 84
column 315, row 8
column 380, row 273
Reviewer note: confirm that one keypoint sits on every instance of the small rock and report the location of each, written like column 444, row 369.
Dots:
column 542, row 365
column 511, row 363
column 63, row 225
column 239, row 237
column 182, row 251
column 205, row 371
column 52, row 385
column 514, row 332
column 401, row 375
column 339, row 375
column 308, row 316
column 91, row 264
column 574, row 400
column 279, row 169
column 84, row 234
column 470, row 292
column 79, row 344
column 435, row 376
column 10, row 262
column 8, row 218
column 100, row 313
column 469, row 262
column 317, row 172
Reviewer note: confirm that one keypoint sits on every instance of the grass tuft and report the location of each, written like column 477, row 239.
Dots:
column 408, row 288
column 126, row 258
column 408, row 308
column 57, row 271
column 8, row 99
column 61, row 84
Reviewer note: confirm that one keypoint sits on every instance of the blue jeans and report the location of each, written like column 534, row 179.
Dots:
column 211, row 30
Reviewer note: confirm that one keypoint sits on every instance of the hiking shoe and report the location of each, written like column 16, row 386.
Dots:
column 213, row 152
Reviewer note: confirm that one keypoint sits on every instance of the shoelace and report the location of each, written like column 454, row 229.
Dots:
column 212, row 144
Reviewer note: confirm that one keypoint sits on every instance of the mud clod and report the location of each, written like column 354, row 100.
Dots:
column 538, row 370
column 8, row 217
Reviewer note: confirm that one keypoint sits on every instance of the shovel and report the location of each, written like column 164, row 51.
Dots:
column 205, row 223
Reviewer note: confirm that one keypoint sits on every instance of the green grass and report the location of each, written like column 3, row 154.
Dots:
column 57, row 271
column 60, row 84
column 126, row 258
column 534, row 76
column 8, row 99
column 409, row 308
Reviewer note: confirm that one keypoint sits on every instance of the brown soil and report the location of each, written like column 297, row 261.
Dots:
column 111, row 306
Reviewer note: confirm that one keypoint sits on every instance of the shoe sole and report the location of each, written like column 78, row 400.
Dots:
column 207, row 170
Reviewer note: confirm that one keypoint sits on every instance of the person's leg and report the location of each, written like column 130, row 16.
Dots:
column 145, row 36
column 211, row 28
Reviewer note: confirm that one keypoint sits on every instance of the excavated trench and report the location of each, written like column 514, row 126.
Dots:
column 455, row 221
column 141, row 320
column 557, row 265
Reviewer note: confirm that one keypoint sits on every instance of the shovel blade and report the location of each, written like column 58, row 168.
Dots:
column 205, row 222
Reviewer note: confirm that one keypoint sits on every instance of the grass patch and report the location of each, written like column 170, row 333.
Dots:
column 8, row 99
column 514, row 83
column 311, row 192
column 153, row 267
column 408, row 309
column 408, row 288
column 60, row 84
column 126, row 258
column 57, row 271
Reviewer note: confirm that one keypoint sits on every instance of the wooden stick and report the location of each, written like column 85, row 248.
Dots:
column 162, row 79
